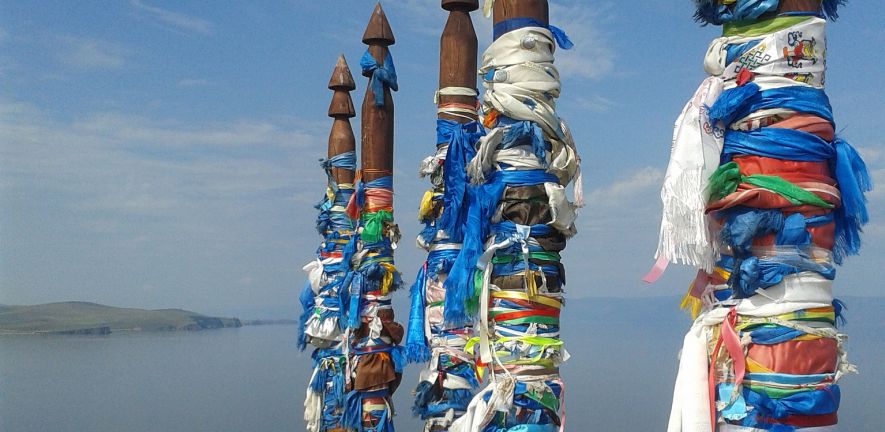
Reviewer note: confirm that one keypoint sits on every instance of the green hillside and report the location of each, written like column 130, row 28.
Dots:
column 92, row 318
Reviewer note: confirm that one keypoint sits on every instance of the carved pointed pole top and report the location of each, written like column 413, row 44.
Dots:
column 466, row 5
column 342, row 83
column 341, row 139
column 341, row 77
column 378, row 31
column 376, row 143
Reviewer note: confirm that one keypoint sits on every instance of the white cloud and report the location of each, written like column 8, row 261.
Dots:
column 89, row 53
column 176, row 20
column 624, row 191
column 107, row 167
column 595, row 103
column 871, row 155
column 592, row 56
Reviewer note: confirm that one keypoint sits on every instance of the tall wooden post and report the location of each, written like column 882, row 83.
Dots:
column 377, row 121
column 774, row 269
column 322, row 315
column 535, row 9
column 525, row 220
column 457, row 59
column 373, row 335
column 448, row 380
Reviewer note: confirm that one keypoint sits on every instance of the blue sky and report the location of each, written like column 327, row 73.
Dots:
column 163, row 154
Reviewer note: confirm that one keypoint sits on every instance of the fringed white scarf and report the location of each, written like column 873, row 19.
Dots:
column 685, row 236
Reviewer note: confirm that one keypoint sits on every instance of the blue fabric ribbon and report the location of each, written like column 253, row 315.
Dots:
column 461, row 139
column 307, row 307
column 346, row 160
column 417, row 350
column 517, row 23
column 753, row 272
column 382, row 75
column 524, row 132
column 813, row 402
column 741, row 101
column 711, row 12
column 484, row 200
column 849, row 169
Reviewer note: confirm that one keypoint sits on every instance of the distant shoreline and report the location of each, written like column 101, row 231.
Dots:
column 84, row 318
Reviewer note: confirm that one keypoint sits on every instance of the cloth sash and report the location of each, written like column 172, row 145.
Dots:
column 382, row 76
column 797, row 52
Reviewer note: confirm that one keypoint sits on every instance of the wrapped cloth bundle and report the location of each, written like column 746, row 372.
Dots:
column 507, row 277
column 323, row 303
column 775, row 199
column 446, row 383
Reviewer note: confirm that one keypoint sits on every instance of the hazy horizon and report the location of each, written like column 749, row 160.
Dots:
column 620, row 375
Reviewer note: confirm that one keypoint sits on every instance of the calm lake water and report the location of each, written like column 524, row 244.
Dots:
column 253, row 378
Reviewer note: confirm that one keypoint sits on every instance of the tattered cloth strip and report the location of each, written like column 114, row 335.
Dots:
column 323, row 303
column 446, row 383
column 508, row 272
column 783, row 201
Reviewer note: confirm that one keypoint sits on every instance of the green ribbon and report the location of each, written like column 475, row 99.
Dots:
column 759, row 28
column 726, row 178
column 540, row 255
column 373, row 223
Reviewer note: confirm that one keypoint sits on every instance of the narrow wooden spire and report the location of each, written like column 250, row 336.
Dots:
column 376, row 152
column 341, row 139
column 457, row 55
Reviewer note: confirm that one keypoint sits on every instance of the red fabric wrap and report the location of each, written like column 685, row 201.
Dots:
column 814, row 175
column 808, row 123
column 797, row 357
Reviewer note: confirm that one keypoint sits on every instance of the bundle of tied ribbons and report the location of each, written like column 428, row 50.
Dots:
column 762, row 197
column 323, row 318
column 347, row 311
column 489, row 296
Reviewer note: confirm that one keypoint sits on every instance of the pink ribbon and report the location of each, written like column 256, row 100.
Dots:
column 656, row 270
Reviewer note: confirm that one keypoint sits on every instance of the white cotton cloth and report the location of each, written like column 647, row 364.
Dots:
column 685, row 236
column 520, row 79
column 313, row 407
column 479, row 412
column 563, row 213
column 797, row 52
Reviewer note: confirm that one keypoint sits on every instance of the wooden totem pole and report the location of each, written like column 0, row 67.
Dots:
column 446, row 384
column 779, row 203
column 517, row 224
column 375, row 360
column 323, row 316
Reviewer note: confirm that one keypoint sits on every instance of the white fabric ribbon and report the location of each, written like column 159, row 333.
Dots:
column 313, row 406
column 797, row 53
column 697, row 143
column 479, row 412
column 524, row 82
